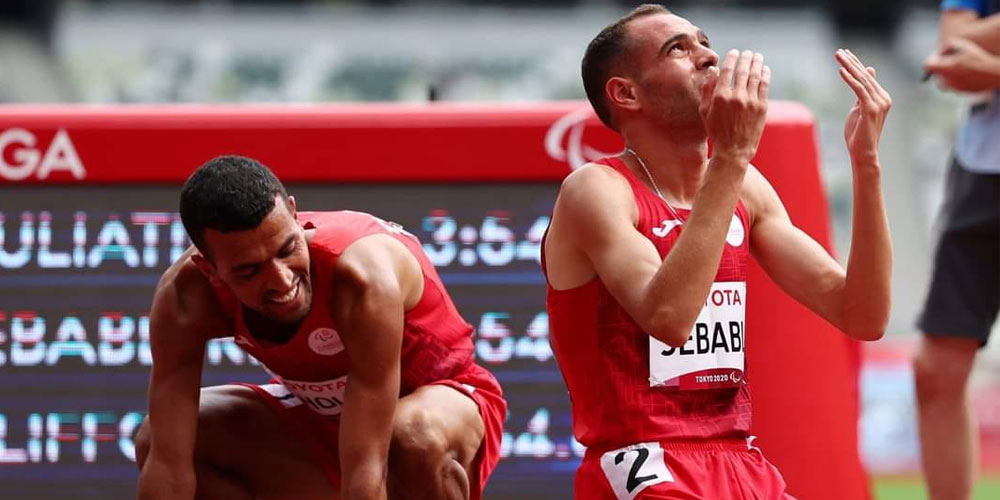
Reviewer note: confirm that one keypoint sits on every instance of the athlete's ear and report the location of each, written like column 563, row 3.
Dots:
column 621, row 93
column 291, row 207
column 207, row 268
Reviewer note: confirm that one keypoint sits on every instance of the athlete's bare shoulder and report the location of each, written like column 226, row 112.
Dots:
column 593, row 178
column 594, row 189
column 379, row 260
column 184, row 297
column 595, row 206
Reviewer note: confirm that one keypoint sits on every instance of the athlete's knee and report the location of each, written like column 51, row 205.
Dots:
column 224, row 414
column 420, row 460
column 941, row 369
column 419, row 443
column 142, row 442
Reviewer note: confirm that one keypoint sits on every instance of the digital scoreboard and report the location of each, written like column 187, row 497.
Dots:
column 79, row 265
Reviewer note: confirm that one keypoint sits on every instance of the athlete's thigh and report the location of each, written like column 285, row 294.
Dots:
column 238, row 434
column 446, row 412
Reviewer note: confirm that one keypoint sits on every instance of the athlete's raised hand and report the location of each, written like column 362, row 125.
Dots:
column 734, row 105
column 867, row 118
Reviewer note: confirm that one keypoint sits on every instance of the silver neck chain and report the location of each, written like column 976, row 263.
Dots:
column 653, row 182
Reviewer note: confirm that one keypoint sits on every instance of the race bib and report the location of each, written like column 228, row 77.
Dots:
column 631, row 469
column 713, row 355
column 323, row 397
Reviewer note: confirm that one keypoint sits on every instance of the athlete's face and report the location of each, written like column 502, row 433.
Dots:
column 267, row 267
column 672, row 61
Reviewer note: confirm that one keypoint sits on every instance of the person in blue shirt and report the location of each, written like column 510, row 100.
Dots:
column 964, row 295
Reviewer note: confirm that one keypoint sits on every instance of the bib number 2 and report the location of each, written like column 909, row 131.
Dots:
column 631, row 469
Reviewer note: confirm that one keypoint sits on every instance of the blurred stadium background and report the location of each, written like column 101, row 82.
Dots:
column 300, row 51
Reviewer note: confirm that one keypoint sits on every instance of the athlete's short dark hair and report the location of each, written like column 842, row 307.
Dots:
column 227, row 193
column 603, row 55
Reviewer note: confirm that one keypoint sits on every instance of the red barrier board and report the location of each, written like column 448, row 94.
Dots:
column 421, row 143
column 376, row 143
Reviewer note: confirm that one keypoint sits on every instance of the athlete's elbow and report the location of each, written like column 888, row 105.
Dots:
column 675, row 340
column 867, row 331
column 865, row 317
column 669, row 333
column 867, row 335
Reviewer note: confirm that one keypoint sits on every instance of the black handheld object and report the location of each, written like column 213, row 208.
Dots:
column 947, row 52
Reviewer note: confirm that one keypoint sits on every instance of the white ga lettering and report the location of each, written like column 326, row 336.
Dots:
column 27, row 159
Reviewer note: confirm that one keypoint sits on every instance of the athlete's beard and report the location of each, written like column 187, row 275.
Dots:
column 677, row 110
column 681, row 119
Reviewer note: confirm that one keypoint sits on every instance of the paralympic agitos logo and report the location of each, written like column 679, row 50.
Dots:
column 21, row 155
column 565, row 139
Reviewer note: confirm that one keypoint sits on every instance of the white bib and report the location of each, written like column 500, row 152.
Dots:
column 631, row 469
column 323, row 397
column 713, row 355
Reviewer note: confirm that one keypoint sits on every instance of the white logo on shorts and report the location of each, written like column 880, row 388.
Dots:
column 325, row 341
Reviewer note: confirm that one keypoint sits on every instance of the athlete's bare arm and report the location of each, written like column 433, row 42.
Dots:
column 856, row 301
column 184, row 316
column 593, row 225
column 376, row 280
